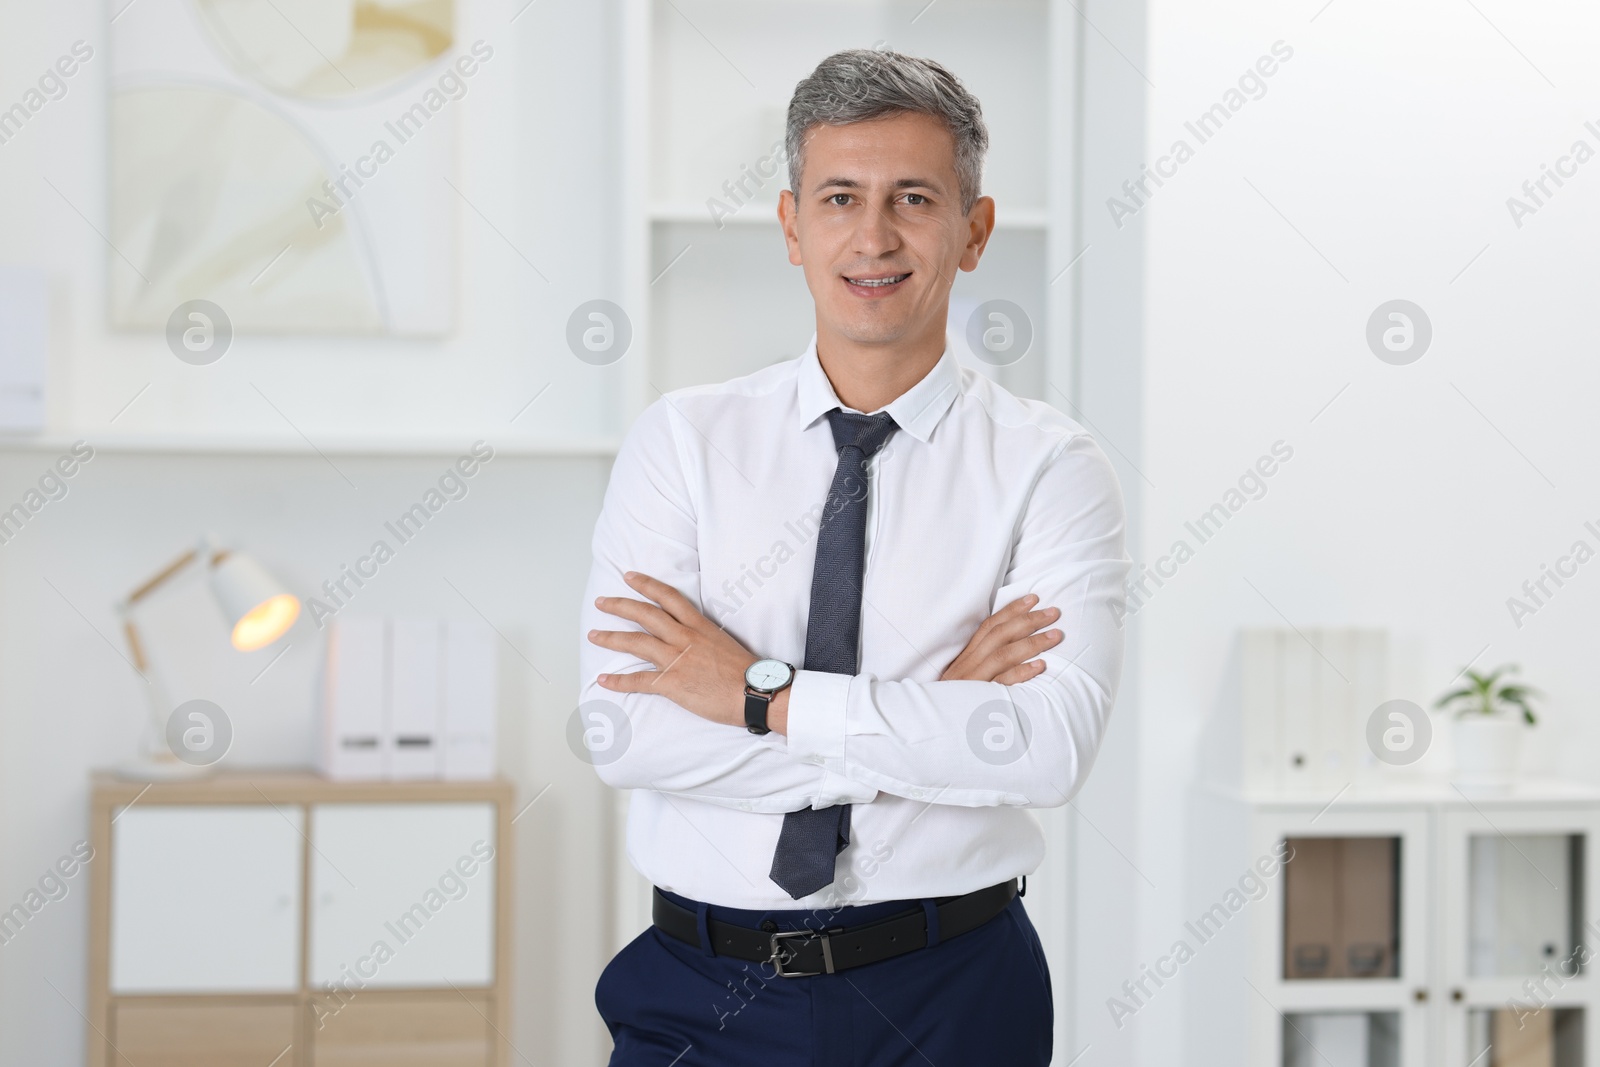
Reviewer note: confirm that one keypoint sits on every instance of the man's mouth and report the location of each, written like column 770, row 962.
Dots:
column 876, row 284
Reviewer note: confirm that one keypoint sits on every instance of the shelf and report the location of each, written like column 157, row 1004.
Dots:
column 764, row 213
column 1377, row 793
column 290, row 786
column 702, row 124
column 386, row 446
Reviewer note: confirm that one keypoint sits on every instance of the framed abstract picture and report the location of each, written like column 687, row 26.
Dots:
column 288, row 160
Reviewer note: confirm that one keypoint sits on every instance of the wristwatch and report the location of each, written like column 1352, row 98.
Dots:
column 763, row 680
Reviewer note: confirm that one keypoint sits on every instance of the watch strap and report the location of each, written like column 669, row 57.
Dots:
column 755, row 711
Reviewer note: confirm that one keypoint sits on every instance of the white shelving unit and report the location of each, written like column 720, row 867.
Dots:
column 706, row 85
column 1488, row 890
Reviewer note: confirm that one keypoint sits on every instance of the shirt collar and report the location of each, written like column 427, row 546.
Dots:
column 916, row 411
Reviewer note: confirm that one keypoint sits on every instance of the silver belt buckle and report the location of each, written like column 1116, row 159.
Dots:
column 781, row 955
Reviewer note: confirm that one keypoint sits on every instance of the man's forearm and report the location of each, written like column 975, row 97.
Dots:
column 966, row 743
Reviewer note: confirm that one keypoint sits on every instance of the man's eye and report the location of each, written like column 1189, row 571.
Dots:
column 837, row 197
column 916, row 198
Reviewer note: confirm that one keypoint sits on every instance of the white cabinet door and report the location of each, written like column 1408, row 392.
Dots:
column 402, row 895
column 1292, row 1019
column 1519, row 893
column 205, row 899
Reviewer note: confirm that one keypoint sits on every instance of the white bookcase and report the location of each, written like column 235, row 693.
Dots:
column 706, row 85
column 1486, row 892
column 705, row 90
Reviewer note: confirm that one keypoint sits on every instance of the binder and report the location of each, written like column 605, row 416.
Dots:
column 408, row 698
column 354, row 698
column 1261, row 695
column 1526, row 1042
column 1340, row 917
column 1368, row 890
column 24, row 347
column 411, row 742
column 1334, row 726
column 1519, row 920
column 1304, row 699
column 470, row 664
column 1310, row 908
column 1317, row 1039
column 1300, row 708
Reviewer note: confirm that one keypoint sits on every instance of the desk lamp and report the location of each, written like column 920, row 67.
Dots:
column 258, row 609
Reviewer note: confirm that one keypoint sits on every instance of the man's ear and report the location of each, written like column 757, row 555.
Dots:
column 788, row 216
column 980, row 226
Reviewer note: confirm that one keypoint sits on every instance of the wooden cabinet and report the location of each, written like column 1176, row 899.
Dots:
column 281, row 920
column 199, row 1034
column 409, row 876
column 416, row 1032
column 206, row 899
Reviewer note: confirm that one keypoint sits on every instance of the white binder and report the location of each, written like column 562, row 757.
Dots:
column 415, row 709
column 354, row 698
column 469, row 701
column 24, row 347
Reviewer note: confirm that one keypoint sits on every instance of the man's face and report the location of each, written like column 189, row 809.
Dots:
column 879, row 202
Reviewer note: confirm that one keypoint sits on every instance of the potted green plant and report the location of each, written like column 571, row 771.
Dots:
column 1489, row 714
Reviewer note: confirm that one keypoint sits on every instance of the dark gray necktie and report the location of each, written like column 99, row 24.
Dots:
column 812, row 837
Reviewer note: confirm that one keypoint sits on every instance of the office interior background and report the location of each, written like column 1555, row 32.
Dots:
column 1318, row 276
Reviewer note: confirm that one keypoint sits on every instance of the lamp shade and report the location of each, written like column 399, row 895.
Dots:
column 258, row 608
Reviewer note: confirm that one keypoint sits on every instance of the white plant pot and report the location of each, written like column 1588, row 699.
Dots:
column 1487, row 749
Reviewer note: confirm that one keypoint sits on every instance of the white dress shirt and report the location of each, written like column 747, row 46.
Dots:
column 979, row 498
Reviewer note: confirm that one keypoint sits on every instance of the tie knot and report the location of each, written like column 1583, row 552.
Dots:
column 866, row 432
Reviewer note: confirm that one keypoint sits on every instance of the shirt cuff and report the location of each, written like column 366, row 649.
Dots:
column 817, row 704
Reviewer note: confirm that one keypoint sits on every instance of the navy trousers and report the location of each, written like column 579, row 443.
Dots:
column 981, row 999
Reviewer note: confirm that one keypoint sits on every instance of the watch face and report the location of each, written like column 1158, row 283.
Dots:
column 767, row 674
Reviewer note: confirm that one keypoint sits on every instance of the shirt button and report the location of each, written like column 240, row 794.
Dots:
column 917, row 794
column 745, row 804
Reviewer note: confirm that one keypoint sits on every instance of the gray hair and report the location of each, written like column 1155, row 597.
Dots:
column 863, row 83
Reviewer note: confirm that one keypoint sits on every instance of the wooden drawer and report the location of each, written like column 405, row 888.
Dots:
column 440, row 1030
column 204, row 1035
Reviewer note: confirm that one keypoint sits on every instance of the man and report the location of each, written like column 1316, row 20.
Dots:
column 830, row 732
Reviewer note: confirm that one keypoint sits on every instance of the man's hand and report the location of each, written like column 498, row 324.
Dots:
column 698, row 666
column 701, row 668
column 1004, row 645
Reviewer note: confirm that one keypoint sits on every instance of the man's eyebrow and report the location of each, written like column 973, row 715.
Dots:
column 902, row 183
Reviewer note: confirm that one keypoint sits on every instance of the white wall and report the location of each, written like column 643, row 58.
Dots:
column 535, row 150
column 528, row 161
column 1110, row 875
column 1390, row 141
column 1217, row 320
column 71, row 702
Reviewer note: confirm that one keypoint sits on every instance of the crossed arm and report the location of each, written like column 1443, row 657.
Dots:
column 840, row 739
column 700, row 667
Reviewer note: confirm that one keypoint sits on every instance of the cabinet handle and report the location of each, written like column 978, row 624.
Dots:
column 1458, row 995
column 1420, row 995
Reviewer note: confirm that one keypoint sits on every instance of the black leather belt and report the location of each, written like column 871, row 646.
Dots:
column 802, row 953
